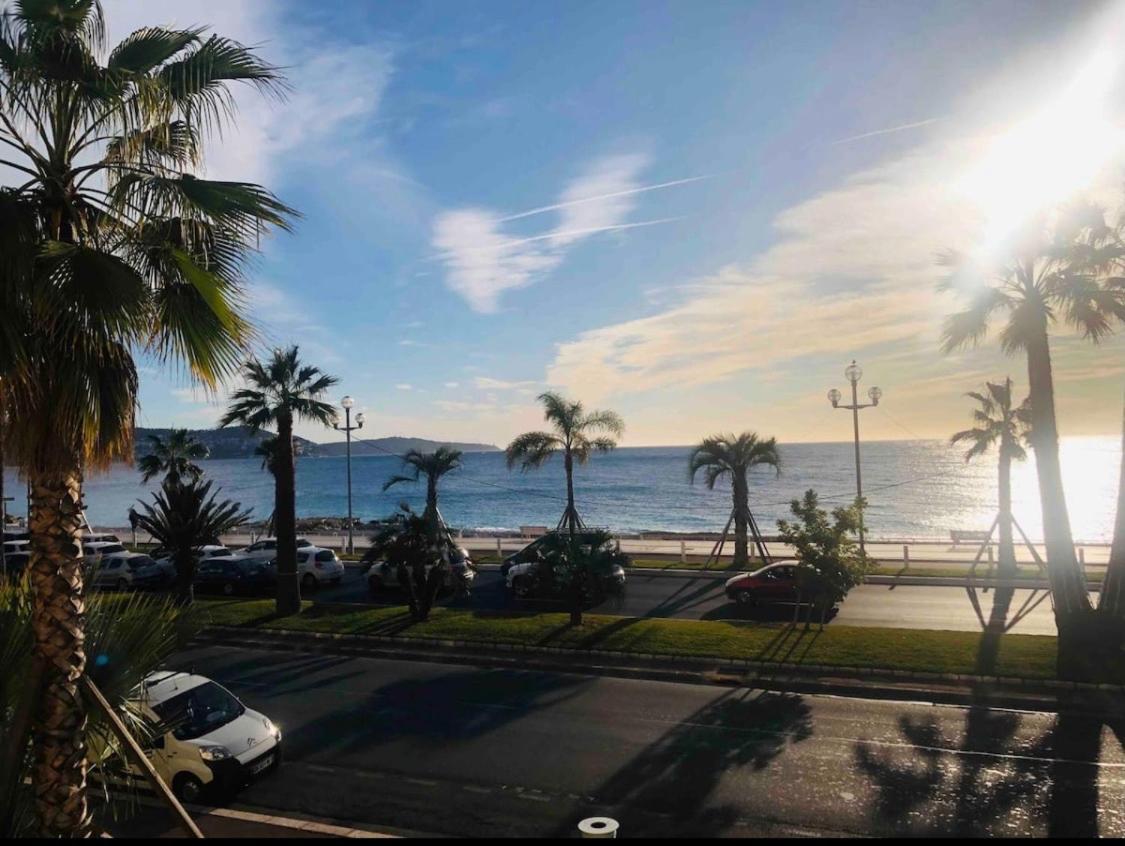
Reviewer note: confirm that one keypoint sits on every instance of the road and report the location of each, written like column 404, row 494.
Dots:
column 895, row 606
column 475, row 752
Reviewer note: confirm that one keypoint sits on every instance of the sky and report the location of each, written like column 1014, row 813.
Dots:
column 695, row 214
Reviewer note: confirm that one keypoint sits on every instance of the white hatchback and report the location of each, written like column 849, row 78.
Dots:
column 127, row 570
column 266, row 548
column 212, row 742
column 317, row 565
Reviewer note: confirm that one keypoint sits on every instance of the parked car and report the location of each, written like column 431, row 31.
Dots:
column 774, row 583
column 235, row 574
column 317, row 565
column 213, row 744
column 100, row 537
column 126, row 570
column 523, row 580
column 383, row 575
column 532, row 550
column 21, row 545
column 266, row 548
column 94, row 551
column 166, row 563
column 14, row 533
column 15, row 563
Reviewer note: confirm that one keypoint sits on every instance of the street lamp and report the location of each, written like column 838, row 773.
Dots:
column 854, row 373
column 348, row 428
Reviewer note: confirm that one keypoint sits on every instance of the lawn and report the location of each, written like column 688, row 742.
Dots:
column 1026, row 656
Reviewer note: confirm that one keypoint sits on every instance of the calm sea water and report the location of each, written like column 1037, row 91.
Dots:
column 917, row 489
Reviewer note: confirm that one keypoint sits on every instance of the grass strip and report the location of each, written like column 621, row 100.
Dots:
column 918, row 650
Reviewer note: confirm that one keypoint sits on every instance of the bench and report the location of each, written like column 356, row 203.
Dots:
column 961, row 535
column 532, row 531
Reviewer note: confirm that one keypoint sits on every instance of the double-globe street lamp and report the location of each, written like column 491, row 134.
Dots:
column 854, row 373
column 347, row 403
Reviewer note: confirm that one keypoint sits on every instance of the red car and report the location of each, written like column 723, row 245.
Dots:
column 773, row 583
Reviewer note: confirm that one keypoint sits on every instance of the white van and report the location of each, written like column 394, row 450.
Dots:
column 214, row 743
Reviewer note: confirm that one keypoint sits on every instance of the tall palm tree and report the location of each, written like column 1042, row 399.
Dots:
column 999, row 424
column 733, row 457
column 1058, row 274
column 281, row 391
column 182, row 517
column 433, row 465
column 111, row 244
column 576, row 435
column 174, row 457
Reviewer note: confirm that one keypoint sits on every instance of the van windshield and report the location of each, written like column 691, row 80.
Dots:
column 199, row 711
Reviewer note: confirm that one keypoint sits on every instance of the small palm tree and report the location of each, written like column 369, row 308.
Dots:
column 183, row 517
column 1063, row 274
column 279, row 392
column 174, row 457
column 432, row 465
column 407, row 541
column 999, row 425
column 111, row 243
column 576, row 435
column 137, row 633
column 721, row 456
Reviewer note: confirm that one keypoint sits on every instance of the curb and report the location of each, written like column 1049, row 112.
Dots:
column 863, row 682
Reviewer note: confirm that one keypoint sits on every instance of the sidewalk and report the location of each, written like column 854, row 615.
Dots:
column 153, row 820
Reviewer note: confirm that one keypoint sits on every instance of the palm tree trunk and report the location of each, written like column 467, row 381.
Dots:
column 185, row 577
column 288, row 587
column 58, row 620
column 571, row 516
column 1007, row 566
column 1113, row 589
column 741, row 495
column 1068, row 583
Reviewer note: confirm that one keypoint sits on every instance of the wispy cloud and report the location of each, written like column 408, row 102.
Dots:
column 482, row 262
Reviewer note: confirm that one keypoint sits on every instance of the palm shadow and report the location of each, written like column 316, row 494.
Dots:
column 667, row 790
column 993, row 780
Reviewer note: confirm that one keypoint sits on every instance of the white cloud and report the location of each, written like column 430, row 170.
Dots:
column 482, row 261
column 404, row 387
column 453, row 384
column 486, row 383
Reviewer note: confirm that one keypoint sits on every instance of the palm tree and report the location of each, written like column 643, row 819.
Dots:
column 722, row 456
column 140, row 632
column 281, row 391
column 999, row 424
column 432, row 465
column 174, row 457
column 183, row 517
column 408, row 541
column 110, row 245
column 1054, row 275
column 575, row 434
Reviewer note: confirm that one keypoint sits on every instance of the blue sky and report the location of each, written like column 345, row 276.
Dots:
column 694, row 213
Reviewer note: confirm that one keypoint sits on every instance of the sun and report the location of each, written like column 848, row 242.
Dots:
column 1050, row 156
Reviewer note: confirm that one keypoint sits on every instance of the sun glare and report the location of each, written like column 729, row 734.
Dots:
column 1051, row 155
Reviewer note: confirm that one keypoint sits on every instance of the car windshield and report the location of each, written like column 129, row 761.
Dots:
column 138, row 563
column 198, row 711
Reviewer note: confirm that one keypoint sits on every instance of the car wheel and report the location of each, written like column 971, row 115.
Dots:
column 228, row 589
column 308, row 582
column 187, row 787
column 521, row 586
column 744, row 598
column 374, row 584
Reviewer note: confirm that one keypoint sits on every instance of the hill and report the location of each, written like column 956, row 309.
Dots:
column 240, row 442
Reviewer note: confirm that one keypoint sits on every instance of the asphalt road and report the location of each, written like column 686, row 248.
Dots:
column 1025, row 611
column 476, row 752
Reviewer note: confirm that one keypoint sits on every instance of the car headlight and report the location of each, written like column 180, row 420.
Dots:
column 214, row 753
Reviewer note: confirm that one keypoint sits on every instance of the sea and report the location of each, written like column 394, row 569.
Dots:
column 916, row 489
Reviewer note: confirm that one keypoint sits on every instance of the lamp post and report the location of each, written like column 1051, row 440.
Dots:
column 348, row 428
column 854, row 373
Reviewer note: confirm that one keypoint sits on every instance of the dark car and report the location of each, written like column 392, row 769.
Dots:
column 235, row 575
column 15, row 563
column 774, row 583
column 531, row 551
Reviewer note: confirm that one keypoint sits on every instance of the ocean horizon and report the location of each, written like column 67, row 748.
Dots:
column 920, row 489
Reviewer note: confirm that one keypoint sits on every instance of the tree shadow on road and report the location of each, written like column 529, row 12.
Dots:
column 430, row 713
column 990, row 781
column 668, row 789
